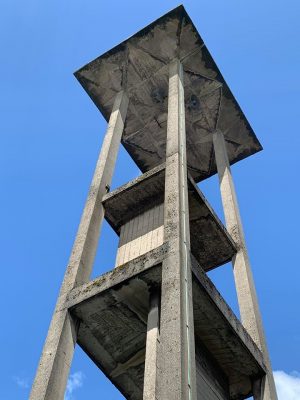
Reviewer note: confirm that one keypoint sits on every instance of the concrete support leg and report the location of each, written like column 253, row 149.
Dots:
column 248, row 304
column 152, row 343
column 53, row 369
column 257, row 388
column 177, row 348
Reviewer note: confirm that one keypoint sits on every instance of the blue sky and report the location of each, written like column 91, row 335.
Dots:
column 50, row 136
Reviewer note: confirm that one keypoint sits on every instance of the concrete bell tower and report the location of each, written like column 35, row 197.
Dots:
column 155, row 324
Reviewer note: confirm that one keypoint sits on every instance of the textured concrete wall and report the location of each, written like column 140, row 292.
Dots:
column 140, row 235
column 211, row 382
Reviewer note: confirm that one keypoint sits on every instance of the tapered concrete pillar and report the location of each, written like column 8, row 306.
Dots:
column 257, row 388
column 152, row 344
column 54, row 365
column 177, row 355
column 247, row 298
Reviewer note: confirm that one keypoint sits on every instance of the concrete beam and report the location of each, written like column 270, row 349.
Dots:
column 257, row 387
column 117, row 276
column 247, row 298
column 55, row 362
column 177, row 380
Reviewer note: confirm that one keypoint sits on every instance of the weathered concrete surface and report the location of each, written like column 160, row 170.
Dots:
column 246, row 292
column 176, row 377
column 141, row 234
column 135, row 197
column 141, row 65
column 56, row 358
column 227, row 342
column 152, row 348
column 113, row 311
column 108, row 317
column 212, row 383
column 113, row 329
column 210, row 242
column 117, row 276
column 54, row 365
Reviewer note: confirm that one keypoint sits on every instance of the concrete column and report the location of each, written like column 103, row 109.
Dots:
column 248, row 304
column 257, row 389
column 55, row 362
column 177, row 380
column 152, row 344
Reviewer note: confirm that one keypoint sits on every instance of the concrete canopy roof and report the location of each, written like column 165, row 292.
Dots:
column 211, row 244
column 140, row 66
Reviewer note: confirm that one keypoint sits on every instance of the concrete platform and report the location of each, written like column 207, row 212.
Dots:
column 113, row 309
column 211, row 245
column 140, row 66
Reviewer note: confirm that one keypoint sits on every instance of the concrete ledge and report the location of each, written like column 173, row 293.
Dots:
column 210, row 242
column 113, row 309
column 232, row 347
column 135, row 197
column 117, row 276
column 113, row 327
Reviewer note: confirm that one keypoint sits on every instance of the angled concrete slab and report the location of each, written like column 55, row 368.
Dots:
column 210, row 312
column 140, row 66
column 210, row 243
column 113, row 310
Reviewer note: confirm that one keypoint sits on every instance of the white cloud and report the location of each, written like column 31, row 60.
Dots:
column 75, row 381
column 21, row 382
column 287, row 385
